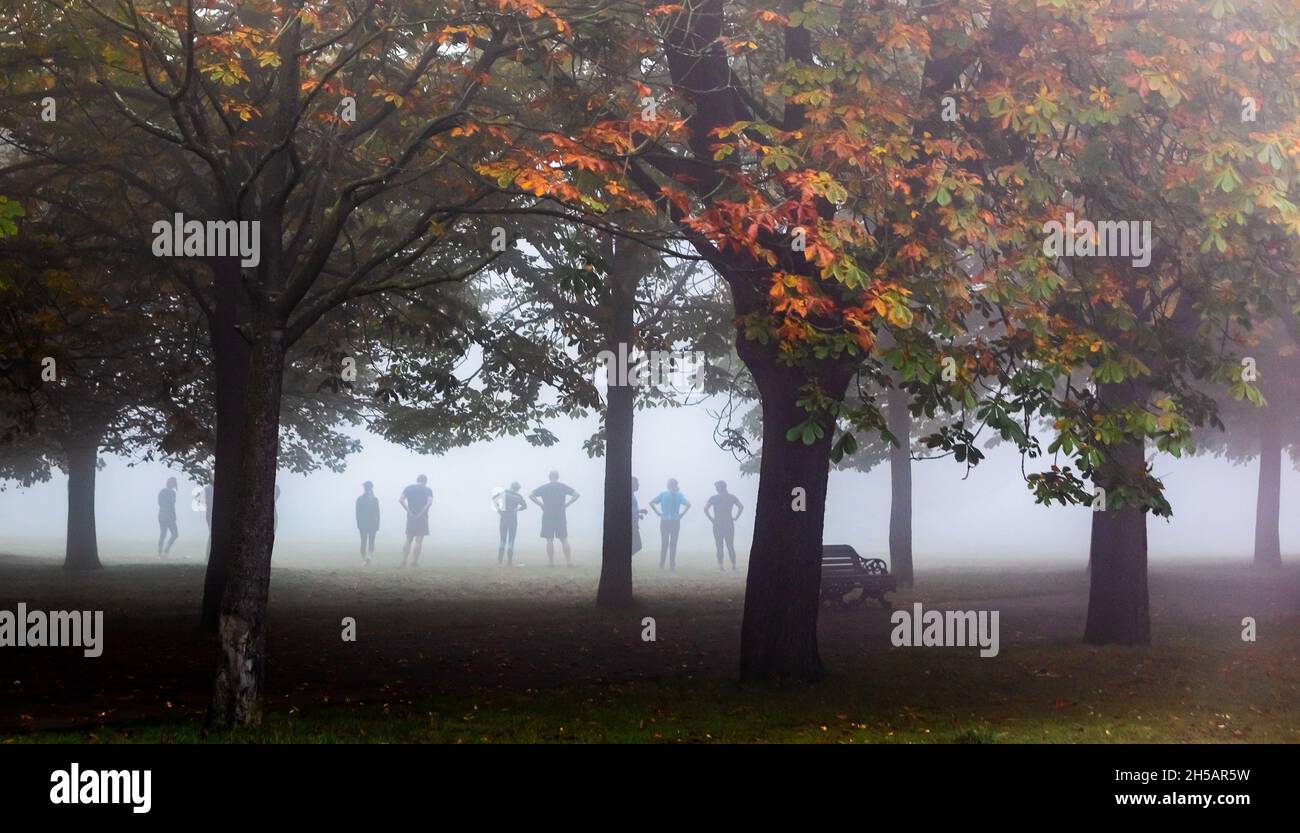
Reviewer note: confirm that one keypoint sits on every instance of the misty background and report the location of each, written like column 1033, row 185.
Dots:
column 987, row 517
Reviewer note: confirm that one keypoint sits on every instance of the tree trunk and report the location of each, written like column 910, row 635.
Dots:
column 1268, row 501
column 900, row 488
column 1118, row 602
column 782, row 594
column 230, row 356
column 82, row 545
column 629, row 263
column 237, row 693
column 615, row 590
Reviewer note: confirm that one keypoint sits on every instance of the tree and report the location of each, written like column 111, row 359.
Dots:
column 824, row 178
column 899, row 444
column 831, row 216
column 645, row 313
column 345, row 134
column 68, row 384
column 1246, row 431
column 1157, row 134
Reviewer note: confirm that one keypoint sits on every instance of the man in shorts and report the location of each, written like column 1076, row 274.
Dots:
column 554, row 498
column 416, row 499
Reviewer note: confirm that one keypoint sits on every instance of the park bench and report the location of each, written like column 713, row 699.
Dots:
column 848, row 578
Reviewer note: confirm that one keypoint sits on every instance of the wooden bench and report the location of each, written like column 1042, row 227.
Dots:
column 848, row 578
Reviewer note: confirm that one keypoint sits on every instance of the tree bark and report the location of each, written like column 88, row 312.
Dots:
column 900, row 488
column 230, row 358
column 82, row 545
column 615, row 590
column 782, row 593
column 1118, row 601
column 628, row 263
column 1268, row 500
column 237, row 693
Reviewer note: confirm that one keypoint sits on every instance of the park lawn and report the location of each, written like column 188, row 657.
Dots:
column 1055, row 692
column 471, row 654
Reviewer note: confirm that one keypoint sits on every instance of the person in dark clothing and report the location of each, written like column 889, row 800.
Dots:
column 509, row 504
column 719, row 510
column 367, row 520
column 554, row 498
column 416, row 499
column 207, row 511
column 167, row 517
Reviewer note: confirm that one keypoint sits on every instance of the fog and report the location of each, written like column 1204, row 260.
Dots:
column 987, row 517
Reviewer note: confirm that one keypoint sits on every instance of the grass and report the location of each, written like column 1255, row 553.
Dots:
column 454, row 655
column 1054, row 692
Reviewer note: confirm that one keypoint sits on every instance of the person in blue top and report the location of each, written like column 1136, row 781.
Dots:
column 416, row 499
column 671, row 506
column 509, row 503
column 367, row 520
column 555, row 497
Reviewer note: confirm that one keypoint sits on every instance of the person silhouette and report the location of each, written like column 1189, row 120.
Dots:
column 554, row 498
column 167, row 517
column 416, row 499
column 718, row 510
column 367, row 520
column 509, row 504
column 671, row 506
column 207, row 514
column 637, row 514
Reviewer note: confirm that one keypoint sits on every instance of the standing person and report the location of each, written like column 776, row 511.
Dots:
column 554, row 498
column 718, row 510
column 509, row 504
column 416, row 500
column 637, row 514
column 167, row 517
column 207, row 513
column 367, row 520
column 671, row 506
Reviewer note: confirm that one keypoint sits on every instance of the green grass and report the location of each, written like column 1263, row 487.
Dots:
column 514, row 658
column 1177, row 691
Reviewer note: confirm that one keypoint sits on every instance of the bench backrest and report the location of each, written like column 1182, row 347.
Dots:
column 840, row 559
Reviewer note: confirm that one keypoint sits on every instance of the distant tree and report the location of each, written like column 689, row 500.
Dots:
column 1248, row 430
column 633, row 307
column 76, row 320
